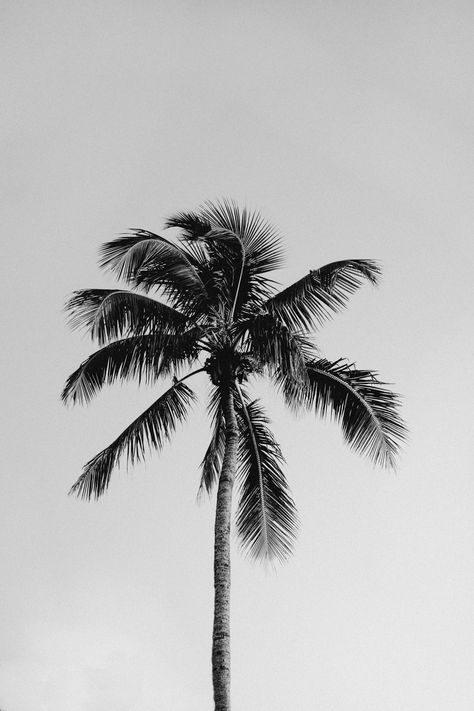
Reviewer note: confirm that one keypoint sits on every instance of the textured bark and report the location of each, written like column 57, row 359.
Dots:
column 221, row 631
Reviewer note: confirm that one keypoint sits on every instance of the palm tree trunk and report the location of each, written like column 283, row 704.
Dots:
column 221, row 631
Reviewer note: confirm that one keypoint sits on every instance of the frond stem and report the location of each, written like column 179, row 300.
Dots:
column 189, row 375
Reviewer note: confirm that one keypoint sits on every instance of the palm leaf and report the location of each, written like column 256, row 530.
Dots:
column 109, row 314
column 367, row 412
column 145, row 358
column 249, row 248
column 276, row 346
column 242, row 248
column 192, row 225
column 145, row 259
column 260, row 240
column 215, row 252
column 148, row 431
column 292, row 387
column 266, row 519
column 322, row 292
column 213, row 458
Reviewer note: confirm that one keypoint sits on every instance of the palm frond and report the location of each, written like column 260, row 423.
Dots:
column 109, row 314
column 192, row 225
column 145, row 358
column 212, row 462
column 266, row 515
column 241, row 249
column 291, row 387
column 276, row 346
column 366, row 410
column 145, row 259
column 261, row 241
column 322, row 293
column 149, row 431
column 217, row 251
column 213, row 458
column 249, row 247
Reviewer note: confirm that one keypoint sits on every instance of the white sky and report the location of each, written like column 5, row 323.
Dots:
column 350, row 126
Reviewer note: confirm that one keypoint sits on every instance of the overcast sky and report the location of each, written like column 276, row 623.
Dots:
column 350, row 126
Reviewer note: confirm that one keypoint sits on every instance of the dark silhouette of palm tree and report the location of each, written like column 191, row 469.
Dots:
column 221, row 313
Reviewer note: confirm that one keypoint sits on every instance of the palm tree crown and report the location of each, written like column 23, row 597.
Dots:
column 222, row 313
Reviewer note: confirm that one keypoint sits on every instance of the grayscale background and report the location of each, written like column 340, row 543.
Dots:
column 350, row 126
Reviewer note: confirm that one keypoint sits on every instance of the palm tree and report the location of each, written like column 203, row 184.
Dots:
column 220, row 313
